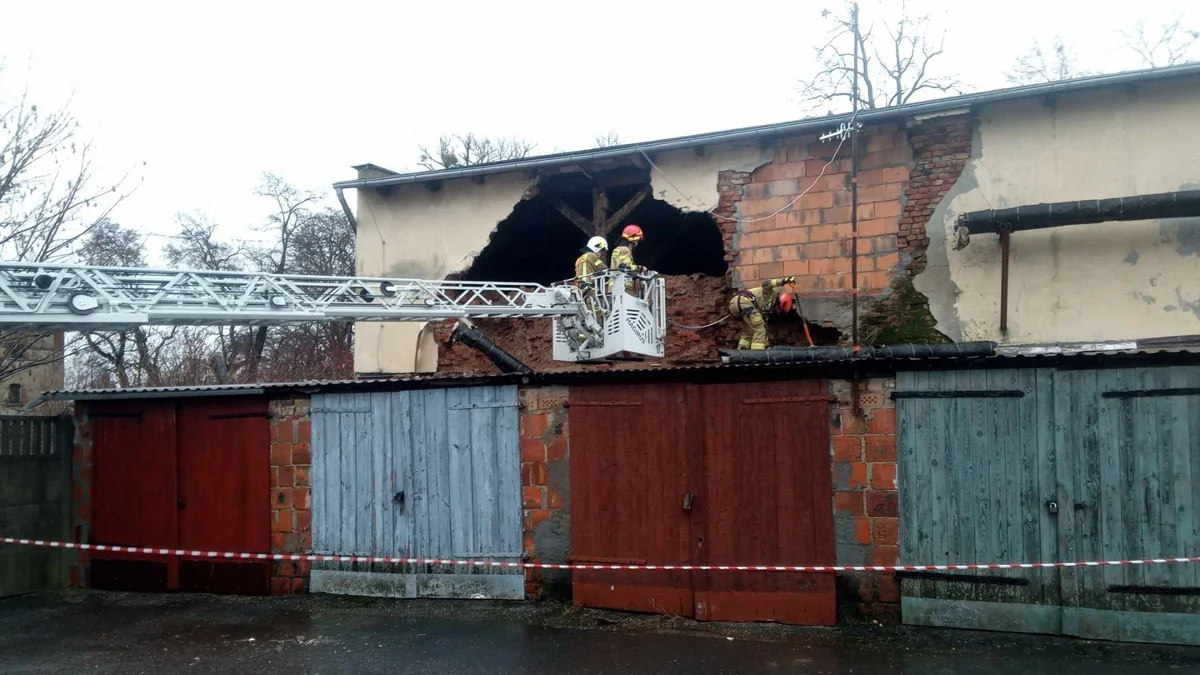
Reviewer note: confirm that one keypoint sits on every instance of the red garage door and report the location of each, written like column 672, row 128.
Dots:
column 193, row 475
column 723, row 474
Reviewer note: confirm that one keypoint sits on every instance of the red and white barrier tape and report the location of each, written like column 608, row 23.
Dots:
column 585, row 566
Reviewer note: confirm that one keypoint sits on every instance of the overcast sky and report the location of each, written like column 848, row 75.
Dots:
column 201, row 98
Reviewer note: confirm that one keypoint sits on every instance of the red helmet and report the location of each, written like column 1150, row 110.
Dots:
column 632, row 233
column 784, row 305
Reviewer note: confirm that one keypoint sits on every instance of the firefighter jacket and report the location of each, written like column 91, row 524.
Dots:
column 765, row 296
column 588, row 264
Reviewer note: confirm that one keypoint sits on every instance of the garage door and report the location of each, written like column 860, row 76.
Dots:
column 193, row 475
column 1043, row 465
column 426, row 474
column 728, row 474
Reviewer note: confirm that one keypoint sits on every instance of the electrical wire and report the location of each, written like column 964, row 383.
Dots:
column 751, row 220
column 707, row 325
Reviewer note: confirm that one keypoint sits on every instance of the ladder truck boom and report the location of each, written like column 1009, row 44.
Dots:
column 40, row 297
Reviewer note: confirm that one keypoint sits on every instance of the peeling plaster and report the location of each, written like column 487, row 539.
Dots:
column 689, row 182
column 1078, row 283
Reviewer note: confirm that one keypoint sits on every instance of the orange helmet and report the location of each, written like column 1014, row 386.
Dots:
column 632, row 233
column 784, row 305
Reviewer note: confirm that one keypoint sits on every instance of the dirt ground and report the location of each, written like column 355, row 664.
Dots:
column 95, row 632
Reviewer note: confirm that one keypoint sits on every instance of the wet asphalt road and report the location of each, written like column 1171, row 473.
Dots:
column 86, row 632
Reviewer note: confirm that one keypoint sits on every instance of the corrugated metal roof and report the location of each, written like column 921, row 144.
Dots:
column 781, row 129
column 1030, row 359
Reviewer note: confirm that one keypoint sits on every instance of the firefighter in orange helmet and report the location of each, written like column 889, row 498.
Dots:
column 753, row 305
column 621, row 259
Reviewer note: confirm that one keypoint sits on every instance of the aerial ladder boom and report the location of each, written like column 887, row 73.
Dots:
column 40, row 297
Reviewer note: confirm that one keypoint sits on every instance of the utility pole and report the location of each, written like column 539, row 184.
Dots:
column 852, row 128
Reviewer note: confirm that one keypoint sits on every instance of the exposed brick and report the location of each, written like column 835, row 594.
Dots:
column 282, row 431
column 277, row 542
column 885, row 555
column 881, row 448
column 847, row 449
column 882, row 421
column 885, row 531
column 532, row 498
column 280, row 585
column 883, row 476
column 281, row 455
column 850, row 502
column 303, row 476
column 285, row 475
column 539, row 516
column 293, row 542
column 282, row 498
column 537, row 473
column 536, row 426
column 857, row 476
column 302, row 454
column 849, row 424
column 883, row 503
column 302, row 498
column 304, row 431
column 304, row 521
column 533, row 449
column 862, row 530
column 889, row 589
column 283, row 521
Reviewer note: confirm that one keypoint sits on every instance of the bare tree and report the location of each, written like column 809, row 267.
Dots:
column 896, row 63
column 132, row 357
column 1033, row 67
column 455, row 150
column 1167, row 45
column 608, row 140
column 49, row 200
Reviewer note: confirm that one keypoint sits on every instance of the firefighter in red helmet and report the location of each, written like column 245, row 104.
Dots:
column 753, row 305
column 622, row 255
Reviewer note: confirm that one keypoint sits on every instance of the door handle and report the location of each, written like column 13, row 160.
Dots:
column 687, row 501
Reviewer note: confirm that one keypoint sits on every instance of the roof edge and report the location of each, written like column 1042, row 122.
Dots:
column 783, row 128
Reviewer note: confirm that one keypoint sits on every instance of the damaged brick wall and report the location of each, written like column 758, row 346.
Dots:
column 810, row 239
column 691, row 301
column 82, row 471
column 291, row 492
column 545, row 488
column 866, row 513
column 941, row 148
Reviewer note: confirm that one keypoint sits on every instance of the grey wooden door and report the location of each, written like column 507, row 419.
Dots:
column 1129, row 488
column 1041, row 465
column 425, row 474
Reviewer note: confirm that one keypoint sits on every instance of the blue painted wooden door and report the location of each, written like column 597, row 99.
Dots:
column 425, row 474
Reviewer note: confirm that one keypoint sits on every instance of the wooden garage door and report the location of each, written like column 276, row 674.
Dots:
column 192, row 475
column 729, row 474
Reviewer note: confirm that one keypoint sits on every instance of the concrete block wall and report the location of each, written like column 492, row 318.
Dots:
column 866, row 516
column 545, row 488
column 291, row 492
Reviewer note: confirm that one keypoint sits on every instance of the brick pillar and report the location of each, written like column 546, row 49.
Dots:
column 291, row 495
column 866, row 523
column 545, row 484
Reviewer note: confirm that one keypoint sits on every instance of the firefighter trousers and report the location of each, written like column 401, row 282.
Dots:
column 754, row 332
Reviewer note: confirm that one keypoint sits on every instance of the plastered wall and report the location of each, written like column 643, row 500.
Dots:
column 1083, row 282
column 417, row 233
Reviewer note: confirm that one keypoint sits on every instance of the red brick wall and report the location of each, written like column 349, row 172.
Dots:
column 810, row 239
column 866, row 523
column 291, row 492
column 545, row 484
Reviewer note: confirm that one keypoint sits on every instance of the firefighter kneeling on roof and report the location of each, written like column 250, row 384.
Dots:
column 753, row 305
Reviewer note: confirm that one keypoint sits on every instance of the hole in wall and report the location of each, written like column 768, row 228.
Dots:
column 536, row 243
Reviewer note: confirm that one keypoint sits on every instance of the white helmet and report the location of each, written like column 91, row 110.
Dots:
column 597, row 244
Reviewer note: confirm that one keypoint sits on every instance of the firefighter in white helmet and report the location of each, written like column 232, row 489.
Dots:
column 588, row 268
